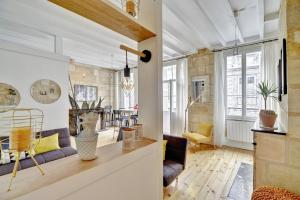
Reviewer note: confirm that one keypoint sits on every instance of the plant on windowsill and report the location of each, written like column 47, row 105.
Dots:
column 267, row 117
column 87, row 138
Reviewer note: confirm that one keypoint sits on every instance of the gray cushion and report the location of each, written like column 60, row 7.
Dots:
column 7, row 168
column 171, row 170
column 68, row 151
column 26, row 163
column 53, row 155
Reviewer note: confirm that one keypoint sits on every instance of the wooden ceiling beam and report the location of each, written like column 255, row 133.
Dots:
column 190, row 26
column 173, row 47
column 260, row 8
column 234, row 20
column 218, row 33
column 181, row 40
column 271, row 17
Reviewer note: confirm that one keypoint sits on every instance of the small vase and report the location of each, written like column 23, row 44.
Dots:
column 87, row 146
column 86, row 141
column 267, row 118
column 128, row 138
column 138, row 131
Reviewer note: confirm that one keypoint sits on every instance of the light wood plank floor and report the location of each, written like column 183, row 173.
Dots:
column 209, row 174
column 105, row 137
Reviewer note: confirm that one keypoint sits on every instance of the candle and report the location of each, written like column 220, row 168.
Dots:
column 20, row 139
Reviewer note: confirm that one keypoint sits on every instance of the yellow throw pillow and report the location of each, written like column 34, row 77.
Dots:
column 46, row 144
column 205, row 129
column 164, row 148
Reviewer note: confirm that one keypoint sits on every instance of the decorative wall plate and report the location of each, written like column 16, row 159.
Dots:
column 9, row 97
column 45, row 91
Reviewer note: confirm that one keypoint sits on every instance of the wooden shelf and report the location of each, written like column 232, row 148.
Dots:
column 108, row 15
column 29, row 180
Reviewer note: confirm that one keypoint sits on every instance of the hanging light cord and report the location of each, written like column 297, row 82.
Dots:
column 126, row 60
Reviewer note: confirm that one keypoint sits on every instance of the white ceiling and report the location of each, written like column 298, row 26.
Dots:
column 195, row 24
column 187, row 26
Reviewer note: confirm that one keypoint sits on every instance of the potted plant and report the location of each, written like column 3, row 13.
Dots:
column 86, row 138
column 267, row 117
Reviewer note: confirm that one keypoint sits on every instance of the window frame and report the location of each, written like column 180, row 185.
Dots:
column 243, row 51
column 170, row 82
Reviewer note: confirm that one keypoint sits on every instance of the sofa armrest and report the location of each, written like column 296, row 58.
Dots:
column 176, row 149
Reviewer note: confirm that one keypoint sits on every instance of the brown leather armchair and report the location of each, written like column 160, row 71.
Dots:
column 175, row 158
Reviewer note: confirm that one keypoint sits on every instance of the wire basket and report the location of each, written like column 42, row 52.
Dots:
column 131, row 7
column 20, row 127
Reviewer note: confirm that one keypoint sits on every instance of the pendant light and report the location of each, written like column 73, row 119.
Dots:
column 131, row 7
column 127, row 84
column 236, row 48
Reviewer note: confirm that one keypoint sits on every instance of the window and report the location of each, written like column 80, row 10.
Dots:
column 169, row 87
column 242, row 77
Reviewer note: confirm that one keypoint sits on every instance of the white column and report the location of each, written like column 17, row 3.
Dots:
column 150, row 83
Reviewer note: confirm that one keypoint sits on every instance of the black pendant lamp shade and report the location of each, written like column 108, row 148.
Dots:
column 126, row 69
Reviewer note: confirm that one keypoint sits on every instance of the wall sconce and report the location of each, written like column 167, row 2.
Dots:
column 145, row 56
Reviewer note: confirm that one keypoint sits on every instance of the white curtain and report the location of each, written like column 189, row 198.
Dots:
column 219, row 99
column 270, row 57
column 181, row 96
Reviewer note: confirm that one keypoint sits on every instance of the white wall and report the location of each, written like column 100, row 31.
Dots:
column 21, row 66
column 150, row 83
column 128, row 177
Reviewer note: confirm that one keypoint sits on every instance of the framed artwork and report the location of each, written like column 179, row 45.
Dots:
column 200, row 88
column 45, row 91
column 9, row 97
column 279, row 67
column 85, row 93
column 284, row 67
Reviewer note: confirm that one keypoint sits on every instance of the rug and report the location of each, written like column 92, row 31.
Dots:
column 242, row 186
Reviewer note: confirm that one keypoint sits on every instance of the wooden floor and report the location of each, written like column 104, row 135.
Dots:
column 105, row 137
column 209, row 174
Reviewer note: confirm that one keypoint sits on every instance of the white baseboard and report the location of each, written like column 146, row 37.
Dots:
column 240, row 145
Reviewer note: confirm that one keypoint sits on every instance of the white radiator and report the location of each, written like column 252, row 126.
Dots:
column 239, row 131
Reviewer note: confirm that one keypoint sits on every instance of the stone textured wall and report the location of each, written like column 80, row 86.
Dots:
column 104, row 79
column 281, row 165
column 200, row 64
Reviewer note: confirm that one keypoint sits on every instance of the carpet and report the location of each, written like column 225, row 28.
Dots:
column 242, row 186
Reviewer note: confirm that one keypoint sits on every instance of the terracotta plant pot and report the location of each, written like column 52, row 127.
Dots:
column 267, row 118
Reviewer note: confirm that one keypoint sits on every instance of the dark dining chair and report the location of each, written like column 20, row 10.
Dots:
column 116, row 119
column 108, row 114
column 134, row 119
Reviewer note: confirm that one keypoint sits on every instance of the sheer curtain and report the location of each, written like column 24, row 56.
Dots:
column 219, row 99
column 181, row 96
column 270, row 57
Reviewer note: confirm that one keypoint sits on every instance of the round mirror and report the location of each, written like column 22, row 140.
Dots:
column 9, row 97
column 45, row 91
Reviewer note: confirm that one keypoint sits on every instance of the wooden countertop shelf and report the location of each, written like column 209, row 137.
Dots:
column 106, row 14
column 30, row 180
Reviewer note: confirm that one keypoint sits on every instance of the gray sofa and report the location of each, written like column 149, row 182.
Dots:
column 64, row 151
